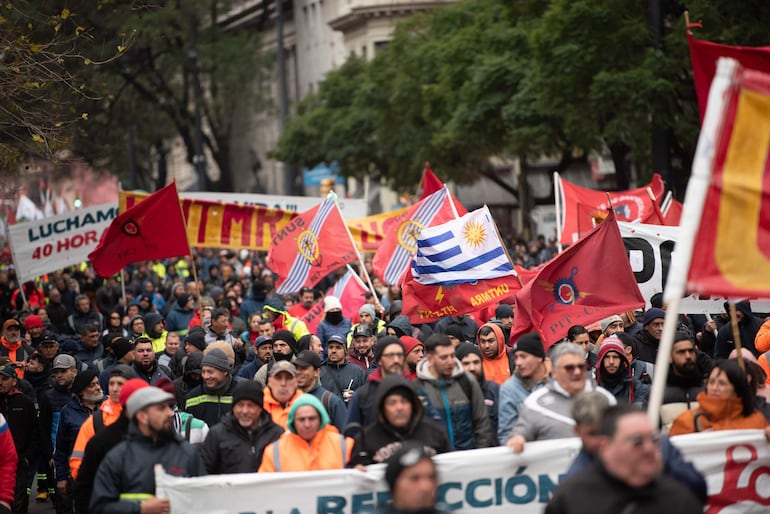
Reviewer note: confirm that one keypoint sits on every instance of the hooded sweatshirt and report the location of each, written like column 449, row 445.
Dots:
column 497, row 369
column 328, row 449
column 748, row 329
column 621, row 384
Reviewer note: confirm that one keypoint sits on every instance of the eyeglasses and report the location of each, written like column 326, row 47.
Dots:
column 571, row 368
column 637, row 441
column 393, row 355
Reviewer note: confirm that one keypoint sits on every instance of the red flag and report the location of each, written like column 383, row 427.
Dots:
column 732, row 257
column 152, row 229
column 428, row 303
column 309, row 247
column 430, row 182
column 572, row 288
column 313, row 317
column 581, row 203
column 402, row 231
column 704, row 55
column 350, row 290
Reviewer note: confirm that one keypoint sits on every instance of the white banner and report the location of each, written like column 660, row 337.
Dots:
column 351, row 208
column 46, row 245
column 493, row 480
column 649, row 249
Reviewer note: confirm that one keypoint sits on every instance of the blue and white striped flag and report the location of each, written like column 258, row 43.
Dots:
column 460, row 251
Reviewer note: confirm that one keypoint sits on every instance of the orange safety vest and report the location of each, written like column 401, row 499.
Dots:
column 328, row 450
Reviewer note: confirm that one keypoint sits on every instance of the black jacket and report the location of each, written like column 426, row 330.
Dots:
column 378, row 441
column 229, row 448
column 211, row 406
column 20, row 412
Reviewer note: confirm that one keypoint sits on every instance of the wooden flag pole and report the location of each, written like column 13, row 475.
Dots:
column 192, row 258
column 737, row 336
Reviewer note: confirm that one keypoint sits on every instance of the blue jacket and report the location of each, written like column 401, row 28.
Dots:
column 58, row 398
column 513, row 392
column 179, row 319
column 72, row 417
column 325, row 330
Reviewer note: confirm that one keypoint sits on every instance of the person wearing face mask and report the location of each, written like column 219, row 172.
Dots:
column 334, row 323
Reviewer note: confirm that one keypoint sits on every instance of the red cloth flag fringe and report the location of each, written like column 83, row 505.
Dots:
column 573, row 288
column 309, row 247
column 152, row 229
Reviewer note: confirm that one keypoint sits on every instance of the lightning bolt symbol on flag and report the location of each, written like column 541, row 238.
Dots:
column 440, row 294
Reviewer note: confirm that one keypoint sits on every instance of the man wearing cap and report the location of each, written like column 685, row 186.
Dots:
column 180, row 316
column 212, row 399
column 311, row 443
column 504, row 315
column 647, row 341
column 400, row 418
column 145, row 366
column 611, row 325
column 156, row 331
column 84, row 315
column 337, row 374
column 334, row 323
column 308, row 365
column 126, row 476
column 368, row 316
column 415, row 351
column 615, row 374
column 389, row 356
column 687, row 367
column 362, row 351
column 20, row 413
column 497, row 362
column 282, row 391
column 87, row 397
column 237, row 443
column 123, row 352
column 195, row 341
column 108, row 412
column 33, row 324
column 530, row 373
column 263, row 353
column 14, row 347
column 470, row 357
column 284, row 348
column 412, row 480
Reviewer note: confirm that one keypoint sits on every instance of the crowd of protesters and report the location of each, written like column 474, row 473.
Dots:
column 100, row 379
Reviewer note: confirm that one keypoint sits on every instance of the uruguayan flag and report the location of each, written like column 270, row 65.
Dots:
column 462, row 250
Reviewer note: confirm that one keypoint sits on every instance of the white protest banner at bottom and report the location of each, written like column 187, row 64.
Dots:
column 735, row 463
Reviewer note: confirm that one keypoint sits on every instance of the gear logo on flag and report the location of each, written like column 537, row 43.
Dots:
column 565, row 290
column 408, row 233
column 307, row 244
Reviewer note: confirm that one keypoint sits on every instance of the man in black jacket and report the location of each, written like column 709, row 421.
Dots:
column 236, row 444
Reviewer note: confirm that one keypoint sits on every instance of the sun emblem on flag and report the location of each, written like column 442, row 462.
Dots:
column 307, row 244
column 474, row 233
column 408, row 232
column 565, row 290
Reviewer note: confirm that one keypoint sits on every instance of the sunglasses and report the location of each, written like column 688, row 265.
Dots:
column 571, row 368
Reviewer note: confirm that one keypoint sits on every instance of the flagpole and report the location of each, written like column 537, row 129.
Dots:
column 557, row 203
column 666, row 203
column 451, row 202
column 189, row 252
column 692, row 210
column 655, row 205
column 123, row 288
column 737, row 337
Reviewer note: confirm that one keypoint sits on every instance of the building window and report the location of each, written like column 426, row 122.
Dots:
column 380, row 46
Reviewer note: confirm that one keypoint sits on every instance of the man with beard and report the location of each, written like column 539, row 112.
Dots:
column 87, row 397
column 126, row 474
column 337, row 374
column 308, row 365
column 211, row 400
column 470, row 357
column 504, row 315
column 281, row 392
column 647, row 341
column 615, row 374
column 37, row 334
column 530, row 374
column 415, row 351
column 236, row 444
column 84, row 315
column 145, row 365
column 156, row 330
column 400, row 418
column 12, row 346
column 494, row 353
column 284, row 349
column 306, row 301
column 687, row 369
column 362, row 354
column 89, row 349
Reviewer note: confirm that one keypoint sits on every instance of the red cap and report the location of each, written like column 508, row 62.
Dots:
column 410, row 343
column 32, row 321
column 130, row 387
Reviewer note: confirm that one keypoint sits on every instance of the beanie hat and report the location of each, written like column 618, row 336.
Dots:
column 197, row 339
column 288, row 337
column 530, row 343
column 33, row 321
column 248, row 390
column 384, row 342
column 367, row 308
column 410, row 343
column 332, row 302
column 151, row 319
column 504, row 311
column 120, row 347
column 83, row 380
column 130, row 387
column 215, row 291
column 405, row 457
column 216, row 359
column 455, row 331
column 121, row 370
column 653, row 314
column 223, row 346
column 466, row 348
column 183, row 299
column 606, row 322
column 144, row 398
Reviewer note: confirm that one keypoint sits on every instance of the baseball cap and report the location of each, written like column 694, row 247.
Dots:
column 145, row 397
column 307, row 358
column 11, row 323
column 279, row 366
column 362, row 330
column 64, row 361
column 336, row 338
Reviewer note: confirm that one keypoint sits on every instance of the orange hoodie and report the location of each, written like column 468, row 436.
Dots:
column 13, row 349
column 718, row 414
column 497, row 369
column 279, row 413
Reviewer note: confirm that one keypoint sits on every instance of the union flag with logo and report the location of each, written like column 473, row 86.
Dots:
column 590, row 280
column 309, row 247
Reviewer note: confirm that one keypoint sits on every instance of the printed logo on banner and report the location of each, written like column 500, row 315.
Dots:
column 737, row 490
column 626, row 207
column 565, row 290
